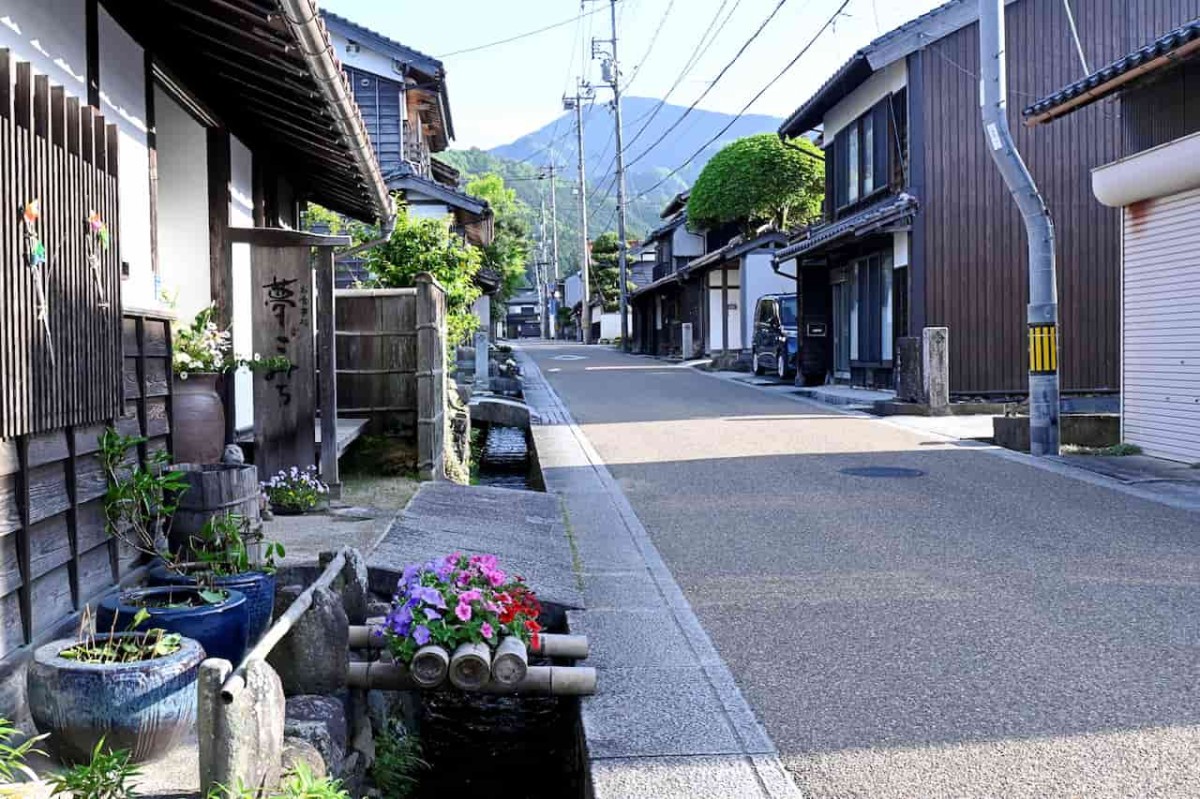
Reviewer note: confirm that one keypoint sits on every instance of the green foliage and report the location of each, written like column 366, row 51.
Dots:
column 141, row 497
column 300, row 783
column 12, row 758
column 398, row 763
column 508, row 254
column 756, row 180
column 427, row 245
column 606, row 271
column 224, row 544
column 107, row 776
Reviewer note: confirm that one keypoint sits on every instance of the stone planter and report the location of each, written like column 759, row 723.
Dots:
column 222, row 629
column 145, row 707
column 258, row 587
column 198, row 418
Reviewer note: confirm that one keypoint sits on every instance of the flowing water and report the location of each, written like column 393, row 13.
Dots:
column 506, row 460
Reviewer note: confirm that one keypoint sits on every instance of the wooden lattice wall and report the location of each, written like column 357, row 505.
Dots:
column 63, row 369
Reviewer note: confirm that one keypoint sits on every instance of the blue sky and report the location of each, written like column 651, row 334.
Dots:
column 503, row 92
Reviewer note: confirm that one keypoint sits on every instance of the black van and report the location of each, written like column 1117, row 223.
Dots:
column 776, row 335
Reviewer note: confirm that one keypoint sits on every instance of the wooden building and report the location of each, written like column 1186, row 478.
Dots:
column 176, row 124
column 661, row 306
column 1154, row 92
column 919, row 230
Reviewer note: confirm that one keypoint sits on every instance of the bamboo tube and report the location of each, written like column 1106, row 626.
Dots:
column 470, row 666
column 572, row 647
column 429, row 666
column 543, row 680
column 511, row 661
column 237, row 680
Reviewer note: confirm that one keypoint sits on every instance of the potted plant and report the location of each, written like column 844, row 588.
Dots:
column 294, row 491
column 138, row 506
column 201, row 354
column 460, row 601
column 226, row 554
column 135, row 690
column 217, row 617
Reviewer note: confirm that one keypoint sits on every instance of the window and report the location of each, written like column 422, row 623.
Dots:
column 871, row 314
column 788, row 312
column 861, row 153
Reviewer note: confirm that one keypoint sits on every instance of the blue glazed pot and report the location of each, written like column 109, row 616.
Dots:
column 146, row 707
column 222, row 629
column 258, row 587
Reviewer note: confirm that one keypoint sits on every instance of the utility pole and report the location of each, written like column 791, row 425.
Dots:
column 540, row 276
column 611, row 70
column 553, row 251
column 583, row 91
column 1042, row 314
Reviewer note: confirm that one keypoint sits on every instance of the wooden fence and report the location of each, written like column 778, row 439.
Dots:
column 60, row 323
column 55, row 555
column 391, row 364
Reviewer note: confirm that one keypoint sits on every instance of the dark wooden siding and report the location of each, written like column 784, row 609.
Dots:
column 55, row 555
column 379, row 100
column 1162, row 110
column 972, row 262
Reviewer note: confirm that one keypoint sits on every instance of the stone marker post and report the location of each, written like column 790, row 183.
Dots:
column 241, row 743
column 935, row 362
column 686, row 336
column 482, row 383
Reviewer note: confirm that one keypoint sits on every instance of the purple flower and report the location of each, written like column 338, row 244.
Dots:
column 421, row 635
column 431, row 596
column 463, row 611
column 400, row 620
column 432, row 614
column 486, row 630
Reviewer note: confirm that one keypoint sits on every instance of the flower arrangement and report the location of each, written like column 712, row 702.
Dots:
column 294, row 490
column 460, row 599
column 203, row 347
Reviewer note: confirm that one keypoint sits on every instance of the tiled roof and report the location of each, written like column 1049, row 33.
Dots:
column 1097, row 85
column 865, row 221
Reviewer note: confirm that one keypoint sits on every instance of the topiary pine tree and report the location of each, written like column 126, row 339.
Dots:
column 759, row 179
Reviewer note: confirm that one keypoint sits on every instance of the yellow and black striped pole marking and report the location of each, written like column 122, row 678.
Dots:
column 1043, row 349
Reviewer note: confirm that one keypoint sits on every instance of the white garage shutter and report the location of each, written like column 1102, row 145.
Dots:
column 1161, row 326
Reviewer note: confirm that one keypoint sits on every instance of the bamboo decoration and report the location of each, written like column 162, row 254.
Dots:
column 470, row 666
column 97, row 240
column 511, row 661
column 555, row 645
column 429, row 666
column 542, row 680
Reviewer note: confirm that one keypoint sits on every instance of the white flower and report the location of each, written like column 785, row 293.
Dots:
column 183, row 375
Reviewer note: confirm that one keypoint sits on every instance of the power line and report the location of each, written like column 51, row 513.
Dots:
column 520, row 36
column 714, row 82
column 752, row 101
column 650, row 47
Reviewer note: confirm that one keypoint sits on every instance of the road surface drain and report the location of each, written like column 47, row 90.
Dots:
column 881, row 471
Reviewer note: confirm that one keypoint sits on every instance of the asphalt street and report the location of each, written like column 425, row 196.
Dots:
column 955, row 625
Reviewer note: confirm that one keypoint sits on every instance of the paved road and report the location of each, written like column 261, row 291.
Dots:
column 982, row 629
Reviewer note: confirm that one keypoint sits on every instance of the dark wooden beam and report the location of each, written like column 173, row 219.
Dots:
column 152, row 152
column 278, row 237
column 220, row 251
column 92, row 22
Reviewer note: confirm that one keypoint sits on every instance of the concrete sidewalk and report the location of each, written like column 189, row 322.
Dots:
column 668, row 720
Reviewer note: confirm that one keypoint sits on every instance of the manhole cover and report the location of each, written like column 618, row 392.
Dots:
column 881, row 471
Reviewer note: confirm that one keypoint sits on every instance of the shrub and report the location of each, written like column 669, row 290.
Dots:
column 107, row 776
column 397, row 763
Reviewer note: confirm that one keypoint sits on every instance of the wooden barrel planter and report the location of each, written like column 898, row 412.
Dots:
column 376, row 332
column 214, row 489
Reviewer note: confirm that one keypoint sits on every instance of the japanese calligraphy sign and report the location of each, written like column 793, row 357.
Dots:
column 285, row 400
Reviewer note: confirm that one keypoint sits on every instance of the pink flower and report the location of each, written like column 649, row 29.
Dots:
column 486, row 630
column 474, row 595
column 463, row 611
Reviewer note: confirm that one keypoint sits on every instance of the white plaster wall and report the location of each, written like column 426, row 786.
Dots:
column 366, row 59
column 889, row 80
column 50, row 35
column 183, row 254
column 610, row 324
column 241, row 214
column 685, row 243
column 429, row 211
column 758, row 279
column 123, row 102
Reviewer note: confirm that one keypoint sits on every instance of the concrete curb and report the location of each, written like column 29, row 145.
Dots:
column 732, row 756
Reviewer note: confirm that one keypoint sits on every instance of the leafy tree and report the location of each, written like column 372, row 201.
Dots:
column 427, row 245
column 508, row 253
column 606, row 271
column 759, row 179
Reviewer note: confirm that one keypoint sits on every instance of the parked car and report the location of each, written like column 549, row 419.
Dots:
column 776, row 335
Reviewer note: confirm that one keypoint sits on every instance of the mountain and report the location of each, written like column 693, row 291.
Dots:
column 647, row 163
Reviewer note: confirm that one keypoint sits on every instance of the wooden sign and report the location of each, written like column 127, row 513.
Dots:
column 284, row 400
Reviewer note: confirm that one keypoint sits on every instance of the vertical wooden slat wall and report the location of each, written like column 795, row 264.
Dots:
column 106, row 369
column 67, row 160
